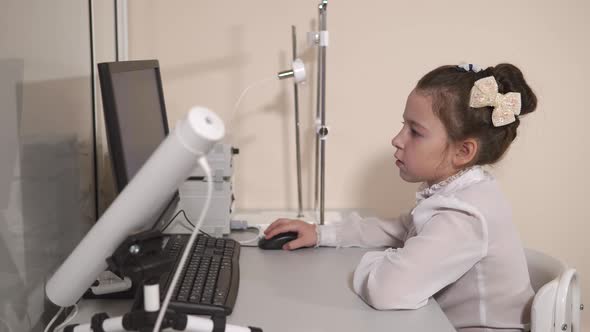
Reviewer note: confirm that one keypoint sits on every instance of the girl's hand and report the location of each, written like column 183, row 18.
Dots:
column 306, row 233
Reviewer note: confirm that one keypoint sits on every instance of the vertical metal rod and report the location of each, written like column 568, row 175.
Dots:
column 297, row 143
column 94, row 106
column 322, row 48
column 317, row 136
column 116, row 9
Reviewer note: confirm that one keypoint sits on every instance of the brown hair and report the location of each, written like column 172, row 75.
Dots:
column 450, row 88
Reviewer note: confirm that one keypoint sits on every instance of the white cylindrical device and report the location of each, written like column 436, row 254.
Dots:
column 193, row 324
column 298, row 70
column 134, row 207
column 201, row 324
column 151, row 297
column 114, row 324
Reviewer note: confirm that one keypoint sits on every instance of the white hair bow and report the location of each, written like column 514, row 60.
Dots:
column 506, row 106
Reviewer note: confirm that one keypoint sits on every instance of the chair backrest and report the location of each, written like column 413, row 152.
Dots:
column 542, row 268
column 556, row 306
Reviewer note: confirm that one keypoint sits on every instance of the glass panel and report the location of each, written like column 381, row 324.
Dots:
column 47, row 194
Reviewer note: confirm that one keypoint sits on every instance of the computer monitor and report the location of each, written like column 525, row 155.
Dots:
column 135, row 118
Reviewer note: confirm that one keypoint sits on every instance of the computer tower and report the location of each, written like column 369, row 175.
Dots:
column 193, row 192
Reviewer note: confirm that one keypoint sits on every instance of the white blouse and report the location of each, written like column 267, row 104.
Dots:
column 458, row 244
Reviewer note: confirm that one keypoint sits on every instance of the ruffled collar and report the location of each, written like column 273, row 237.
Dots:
column 453, row 183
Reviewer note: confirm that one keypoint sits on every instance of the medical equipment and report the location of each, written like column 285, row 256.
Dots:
column 157, row 179
column 320, row 38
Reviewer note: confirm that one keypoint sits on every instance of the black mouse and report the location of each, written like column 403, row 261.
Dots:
column 277, row 241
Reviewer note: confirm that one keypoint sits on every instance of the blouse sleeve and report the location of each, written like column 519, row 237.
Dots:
column 372, row 232
column 448, row 244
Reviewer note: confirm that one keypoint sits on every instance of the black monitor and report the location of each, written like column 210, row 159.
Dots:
column 135, row 116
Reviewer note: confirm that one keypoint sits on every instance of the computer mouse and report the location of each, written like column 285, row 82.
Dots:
column 277, row 241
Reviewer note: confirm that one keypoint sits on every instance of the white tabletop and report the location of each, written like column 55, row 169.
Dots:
column 311, row 290
column 304, row 290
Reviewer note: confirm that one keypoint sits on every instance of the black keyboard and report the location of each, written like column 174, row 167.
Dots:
column 209, row 283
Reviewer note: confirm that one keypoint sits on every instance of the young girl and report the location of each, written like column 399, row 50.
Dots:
column 458, row 244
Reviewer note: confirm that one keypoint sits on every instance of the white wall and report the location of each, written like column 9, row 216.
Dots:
column 211, row 50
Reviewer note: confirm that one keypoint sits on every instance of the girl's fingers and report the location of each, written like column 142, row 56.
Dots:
column 297, row 243
column 283, row 228
column 275, row 224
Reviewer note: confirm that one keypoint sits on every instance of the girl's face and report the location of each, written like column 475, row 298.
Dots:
column 423, row 152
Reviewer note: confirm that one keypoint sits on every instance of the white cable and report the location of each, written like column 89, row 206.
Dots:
column 68, row 319
column 53, row 319
column 187, row 249
column 257, row 237
column 235, row 112
column 239, row 100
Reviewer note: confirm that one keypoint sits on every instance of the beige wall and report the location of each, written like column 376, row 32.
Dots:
column 211, row 50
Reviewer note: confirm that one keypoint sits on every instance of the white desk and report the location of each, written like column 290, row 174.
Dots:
column 306, row 290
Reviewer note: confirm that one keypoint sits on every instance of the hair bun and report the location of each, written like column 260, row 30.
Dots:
column 510, row 79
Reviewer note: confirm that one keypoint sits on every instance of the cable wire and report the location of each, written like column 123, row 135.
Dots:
column 71, row 316
column 239, row 100
column 258, row 236
column 53, row 319
column 187, row 219
column 187, row 249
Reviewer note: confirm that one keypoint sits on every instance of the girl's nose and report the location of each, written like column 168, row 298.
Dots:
column 396, row 141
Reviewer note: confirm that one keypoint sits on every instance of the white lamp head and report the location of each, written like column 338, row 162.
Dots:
column 297, row 71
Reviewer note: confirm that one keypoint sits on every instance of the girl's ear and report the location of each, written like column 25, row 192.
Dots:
column 465, row 152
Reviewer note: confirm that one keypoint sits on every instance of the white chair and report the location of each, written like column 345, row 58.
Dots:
column 556, row 306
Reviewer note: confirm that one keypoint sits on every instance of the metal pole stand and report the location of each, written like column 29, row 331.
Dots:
column 320, row 38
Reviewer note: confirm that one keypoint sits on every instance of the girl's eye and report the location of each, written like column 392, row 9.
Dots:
column 413, row 131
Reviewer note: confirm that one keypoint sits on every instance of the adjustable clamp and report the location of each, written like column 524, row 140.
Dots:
column 321, row 130
column 320, row 38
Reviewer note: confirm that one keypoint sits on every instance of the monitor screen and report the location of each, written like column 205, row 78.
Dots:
column 135, row 115
column 141, row 121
